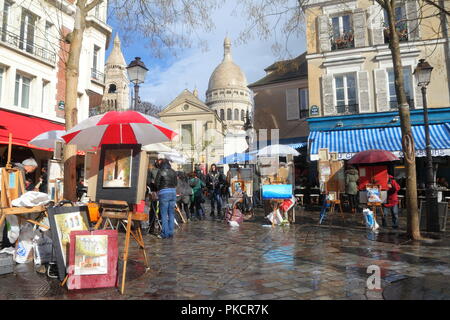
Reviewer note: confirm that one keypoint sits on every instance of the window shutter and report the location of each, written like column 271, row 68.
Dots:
column 292, row 108
column 375, row 24
column 359, row 28
column 418, row 103
column 412, row 19
column 363, row 91
column 328, row 95
column 381, row 90
column 324, row 33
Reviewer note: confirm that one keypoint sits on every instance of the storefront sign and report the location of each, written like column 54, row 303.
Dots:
column 314, row 110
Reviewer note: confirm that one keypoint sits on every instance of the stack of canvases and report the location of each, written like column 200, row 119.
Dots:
column 85, row 258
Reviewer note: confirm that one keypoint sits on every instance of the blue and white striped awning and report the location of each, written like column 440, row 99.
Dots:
column 348, row 142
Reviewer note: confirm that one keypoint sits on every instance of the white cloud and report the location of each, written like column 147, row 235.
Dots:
column 194, row 67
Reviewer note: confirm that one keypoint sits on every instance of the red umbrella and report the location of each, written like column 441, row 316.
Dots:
column 373, row 156
column 122, row 127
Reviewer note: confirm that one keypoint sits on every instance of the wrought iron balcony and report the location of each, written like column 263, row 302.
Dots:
column 347, row 109
column 14, row 40
column 343, row 41
column 97, row 75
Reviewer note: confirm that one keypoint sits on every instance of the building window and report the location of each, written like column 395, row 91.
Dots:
column 186, row 134
column 27, row 25
column 229, row 114
column 222, row 114
column 48, row 29
column 242, row 115
column 401, row 24
column 97, row 11
column 6, row 7
column 112, row 88
column 22, row 91
column 407, row 82
column 45, row 95
column 345, row 86
column 342, row 32
column 303, row 102
column 95, row 58
column 236, row 114
column 1, row 82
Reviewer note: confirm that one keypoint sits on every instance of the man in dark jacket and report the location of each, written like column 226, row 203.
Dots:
column 166, row 183
column 215, row 180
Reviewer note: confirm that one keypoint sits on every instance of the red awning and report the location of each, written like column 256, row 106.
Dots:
column 24, row 128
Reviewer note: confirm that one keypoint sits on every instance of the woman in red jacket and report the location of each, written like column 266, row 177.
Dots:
column 391, row 205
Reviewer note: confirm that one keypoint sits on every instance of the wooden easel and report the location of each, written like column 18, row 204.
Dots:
column 120, row 210
column 375, row 206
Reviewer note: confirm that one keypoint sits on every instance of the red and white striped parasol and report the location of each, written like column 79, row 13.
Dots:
column 118, row 127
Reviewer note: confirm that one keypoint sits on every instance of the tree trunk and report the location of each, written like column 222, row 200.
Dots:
column 71, row 110
column 413, row 229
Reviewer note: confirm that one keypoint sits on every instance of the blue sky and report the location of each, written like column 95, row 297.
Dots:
column 192, row 67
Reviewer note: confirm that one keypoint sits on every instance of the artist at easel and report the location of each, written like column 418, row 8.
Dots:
column 13, row 184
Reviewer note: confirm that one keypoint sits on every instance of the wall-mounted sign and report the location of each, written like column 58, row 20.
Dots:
column 61, row 105
column 314, row 110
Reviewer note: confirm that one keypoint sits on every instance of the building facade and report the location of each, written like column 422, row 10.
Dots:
column 201, row 131
column 353, row 103
column 229, row 96
column 281, row 102
column 32, row 66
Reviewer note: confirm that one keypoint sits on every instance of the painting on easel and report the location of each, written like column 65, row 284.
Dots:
column 117, row 168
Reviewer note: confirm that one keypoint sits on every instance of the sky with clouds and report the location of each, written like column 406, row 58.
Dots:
column 192, row 67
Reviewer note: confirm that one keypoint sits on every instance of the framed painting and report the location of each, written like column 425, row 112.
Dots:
column 93, row 258
column 119, row 172
column 332, row 196
column 373, row 193
column 64, row 220
column 238, row 186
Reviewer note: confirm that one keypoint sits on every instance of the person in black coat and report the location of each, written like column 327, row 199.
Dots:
column 184, row 194
column 215, row 181
column 166, row 183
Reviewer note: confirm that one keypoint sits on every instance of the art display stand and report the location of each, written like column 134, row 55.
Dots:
column 120, row 210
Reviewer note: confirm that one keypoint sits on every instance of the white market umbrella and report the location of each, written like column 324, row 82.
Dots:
column 48, row 139
column 156, row 147
column 277, row 150
column 175, row 157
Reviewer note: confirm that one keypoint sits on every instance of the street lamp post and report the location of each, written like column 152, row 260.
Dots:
column 136, row 74
column 423, row 76
column 247, row 127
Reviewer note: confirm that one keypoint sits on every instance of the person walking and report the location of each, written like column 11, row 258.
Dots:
column 215, row 180
column 166, row 183
column 391, row 205
column 351, row 187
column 184, row 194
column 197, row 200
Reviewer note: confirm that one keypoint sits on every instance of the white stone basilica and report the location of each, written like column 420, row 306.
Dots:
column 230, row 97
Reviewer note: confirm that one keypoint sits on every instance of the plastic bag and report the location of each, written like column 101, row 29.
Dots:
column 369, row 219
column 24, row 246
column 42, row 248
column 31, row 199
column 233, row 224
column 275, row 217
column 13, row 228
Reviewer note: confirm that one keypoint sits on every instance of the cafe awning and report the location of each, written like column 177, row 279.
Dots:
column 24, row 128
column 348, row 142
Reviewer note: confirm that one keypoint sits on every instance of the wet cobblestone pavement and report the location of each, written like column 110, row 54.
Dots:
column 210, row 260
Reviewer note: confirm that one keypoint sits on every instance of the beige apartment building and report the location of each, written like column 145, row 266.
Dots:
column 350, row 64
